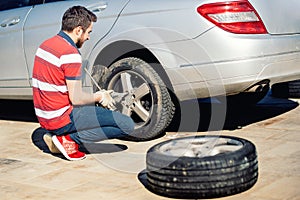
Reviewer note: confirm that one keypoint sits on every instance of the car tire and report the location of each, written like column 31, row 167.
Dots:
column 148, row 101
column 173, row 171
column 287, row 89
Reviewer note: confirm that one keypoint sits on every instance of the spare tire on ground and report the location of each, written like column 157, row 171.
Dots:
column 201, row 167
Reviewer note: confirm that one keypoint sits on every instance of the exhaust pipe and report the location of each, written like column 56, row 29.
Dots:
column 261, row 86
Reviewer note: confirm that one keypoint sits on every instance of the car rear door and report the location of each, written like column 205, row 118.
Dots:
column 13, row 68
column 44, row 21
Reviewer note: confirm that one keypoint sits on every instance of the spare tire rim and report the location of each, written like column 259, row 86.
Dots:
column 200, row 147
column 138, row 98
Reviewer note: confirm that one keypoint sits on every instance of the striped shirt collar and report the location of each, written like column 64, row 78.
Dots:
column 66, row 37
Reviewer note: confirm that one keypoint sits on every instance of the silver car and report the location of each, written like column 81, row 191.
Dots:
column 161, row 52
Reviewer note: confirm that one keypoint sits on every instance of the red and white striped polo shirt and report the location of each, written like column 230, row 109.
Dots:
column 56, row 60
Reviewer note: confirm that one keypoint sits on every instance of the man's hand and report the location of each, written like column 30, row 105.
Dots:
column 106, row 100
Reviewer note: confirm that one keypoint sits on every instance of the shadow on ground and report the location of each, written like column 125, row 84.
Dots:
column 197, row 115
column 88, row 148
column 17, row 110
column 212, row 115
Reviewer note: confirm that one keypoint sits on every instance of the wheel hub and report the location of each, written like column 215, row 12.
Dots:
column 129, row 100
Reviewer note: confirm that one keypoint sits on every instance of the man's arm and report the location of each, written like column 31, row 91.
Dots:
column 78, row 97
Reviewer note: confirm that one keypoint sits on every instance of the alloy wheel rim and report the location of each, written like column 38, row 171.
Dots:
column 138, row 99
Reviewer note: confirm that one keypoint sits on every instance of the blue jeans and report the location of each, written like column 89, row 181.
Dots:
column 93, row 124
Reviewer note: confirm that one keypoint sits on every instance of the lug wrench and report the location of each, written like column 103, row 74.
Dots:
column 115, row 95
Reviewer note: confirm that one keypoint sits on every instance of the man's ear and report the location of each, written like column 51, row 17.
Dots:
column 78, row 31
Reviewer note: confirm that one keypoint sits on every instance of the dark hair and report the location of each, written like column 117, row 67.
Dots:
column 77, row 16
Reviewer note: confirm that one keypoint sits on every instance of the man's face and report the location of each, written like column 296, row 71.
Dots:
column 84, row 36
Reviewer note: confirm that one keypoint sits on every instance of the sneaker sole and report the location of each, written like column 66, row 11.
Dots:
column 51, row 146
column 62, row 150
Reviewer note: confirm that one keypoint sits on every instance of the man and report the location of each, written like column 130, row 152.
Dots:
column 61, row 106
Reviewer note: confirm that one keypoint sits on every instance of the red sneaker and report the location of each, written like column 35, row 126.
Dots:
column 68, row 147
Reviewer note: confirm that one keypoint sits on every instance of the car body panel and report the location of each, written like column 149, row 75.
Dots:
column 279, row 17
column 14, row 72
column 180, row 20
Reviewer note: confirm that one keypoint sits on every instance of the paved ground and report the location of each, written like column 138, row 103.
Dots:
column 115, row 169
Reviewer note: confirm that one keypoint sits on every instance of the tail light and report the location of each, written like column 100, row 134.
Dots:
column 234, row 16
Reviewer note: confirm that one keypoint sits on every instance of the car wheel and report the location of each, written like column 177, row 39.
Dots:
column 201, row 167
column 146, row 99
column 286, row 89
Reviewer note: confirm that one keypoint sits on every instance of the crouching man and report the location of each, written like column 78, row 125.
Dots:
column 62, row 107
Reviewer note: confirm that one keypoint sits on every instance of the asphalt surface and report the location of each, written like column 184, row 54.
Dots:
column 115, row 169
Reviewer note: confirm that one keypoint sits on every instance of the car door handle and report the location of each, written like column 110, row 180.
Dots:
column 98, row 8
column 10, row 22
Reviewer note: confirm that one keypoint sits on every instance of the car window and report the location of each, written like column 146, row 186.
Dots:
column 50, row 1
column 35, row 2
column 10, row 4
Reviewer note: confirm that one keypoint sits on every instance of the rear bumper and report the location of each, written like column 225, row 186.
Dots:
column 231, row 77
column 220, row 63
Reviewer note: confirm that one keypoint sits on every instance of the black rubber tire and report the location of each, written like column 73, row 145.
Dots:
column 205, row 177
column 287, row 89
column 162, row 108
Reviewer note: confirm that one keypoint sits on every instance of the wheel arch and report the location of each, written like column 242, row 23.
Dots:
column 125, row 48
